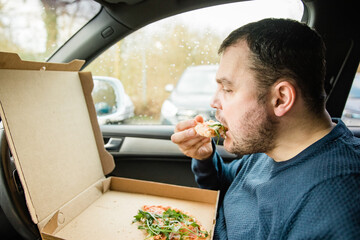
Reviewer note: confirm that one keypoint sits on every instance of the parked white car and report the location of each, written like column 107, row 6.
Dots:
column 112, row 104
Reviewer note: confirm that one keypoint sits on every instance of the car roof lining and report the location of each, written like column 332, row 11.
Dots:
column 129, row 2
column 153, row 10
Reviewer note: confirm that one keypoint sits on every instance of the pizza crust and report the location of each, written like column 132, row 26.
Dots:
column 210, row 129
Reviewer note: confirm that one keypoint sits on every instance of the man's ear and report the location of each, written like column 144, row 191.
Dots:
column 283, row 97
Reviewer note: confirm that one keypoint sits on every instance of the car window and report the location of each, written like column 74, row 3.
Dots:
column 355, row 89
column 37, row 28
column 168, row 68
column 351, row 113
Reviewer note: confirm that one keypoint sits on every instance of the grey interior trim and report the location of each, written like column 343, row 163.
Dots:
column 141, row 131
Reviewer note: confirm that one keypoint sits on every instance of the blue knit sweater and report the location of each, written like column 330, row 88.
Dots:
column 315, row 195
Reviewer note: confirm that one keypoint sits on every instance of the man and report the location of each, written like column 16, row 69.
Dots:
column 299, row 175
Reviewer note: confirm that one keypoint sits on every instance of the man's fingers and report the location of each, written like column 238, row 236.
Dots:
column 192, row 143
column 199, row 118
column 185, row 135
column 201, row 143
column 189, row 142
column 199, row 150
column 181, row 126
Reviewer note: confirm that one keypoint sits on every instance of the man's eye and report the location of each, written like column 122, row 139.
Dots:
column 226, row 90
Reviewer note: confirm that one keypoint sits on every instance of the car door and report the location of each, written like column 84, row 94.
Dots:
column 146, row 152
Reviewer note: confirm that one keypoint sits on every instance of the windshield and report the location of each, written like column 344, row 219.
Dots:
column 197, row 80
column 36, row 28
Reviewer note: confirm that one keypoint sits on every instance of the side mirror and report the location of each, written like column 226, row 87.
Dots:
column 112, row 104
column 169, row 87
column 104, row 96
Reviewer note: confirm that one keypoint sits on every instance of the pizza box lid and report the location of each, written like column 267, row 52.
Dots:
column 52, row 130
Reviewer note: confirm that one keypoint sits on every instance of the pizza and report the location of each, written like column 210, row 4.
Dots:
column 211, row 129
column 165, row 223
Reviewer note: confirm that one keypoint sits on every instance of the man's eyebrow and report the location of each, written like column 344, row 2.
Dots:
column 224, row 81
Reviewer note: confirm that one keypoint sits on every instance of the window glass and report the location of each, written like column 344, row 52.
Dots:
column 197, row 80
column 351, row 113
column 37, row 28
column 158, row 64
column 104, row 98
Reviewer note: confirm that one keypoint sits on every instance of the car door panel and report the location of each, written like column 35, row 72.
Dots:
column 146, row 152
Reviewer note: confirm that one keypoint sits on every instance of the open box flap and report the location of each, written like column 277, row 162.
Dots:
column 106, row 158
column 13, row 61
column 51, row 127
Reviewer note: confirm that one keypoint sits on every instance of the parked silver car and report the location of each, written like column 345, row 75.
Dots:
column 191, row 96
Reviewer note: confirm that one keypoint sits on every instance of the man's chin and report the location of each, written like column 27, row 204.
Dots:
column 230, row 147
column 227, row 143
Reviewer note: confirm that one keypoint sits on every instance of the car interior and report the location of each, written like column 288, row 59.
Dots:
column 136, row 148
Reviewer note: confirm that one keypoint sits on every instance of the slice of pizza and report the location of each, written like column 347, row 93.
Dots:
column 211, row 129
column 165, row 223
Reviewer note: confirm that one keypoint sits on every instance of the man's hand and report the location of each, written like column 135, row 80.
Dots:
column 189, row 142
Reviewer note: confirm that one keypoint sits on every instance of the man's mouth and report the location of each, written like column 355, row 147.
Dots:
column 224, row 125
column 222, row 121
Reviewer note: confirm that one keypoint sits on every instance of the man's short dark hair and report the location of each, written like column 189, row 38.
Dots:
column 284, row 48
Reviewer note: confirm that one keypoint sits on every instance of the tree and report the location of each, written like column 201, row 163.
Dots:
column 53, row 10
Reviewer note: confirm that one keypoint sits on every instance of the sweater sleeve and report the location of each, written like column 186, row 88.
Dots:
column 331, row 210
column 213, row 173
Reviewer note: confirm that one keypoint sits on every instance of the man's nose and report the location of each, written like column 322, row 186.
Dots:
column 215, row 102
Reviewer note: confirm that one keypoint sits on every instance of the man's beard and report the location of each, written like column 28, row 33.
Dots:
column 259, row 135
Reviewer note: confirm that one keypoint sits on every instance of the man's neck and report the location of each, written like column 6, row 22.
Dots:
column 296, row 136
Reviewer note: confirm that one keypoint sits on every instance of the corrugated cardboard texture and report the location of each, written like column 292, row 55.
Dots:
column 110, row 217
column 164, row 190
column 106, row 158
column 51, row 136
column 73, row 208
column 13, row 61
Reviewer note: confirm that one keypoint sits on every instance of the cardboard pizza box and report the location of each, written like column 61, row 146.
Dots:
column 51, row 126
